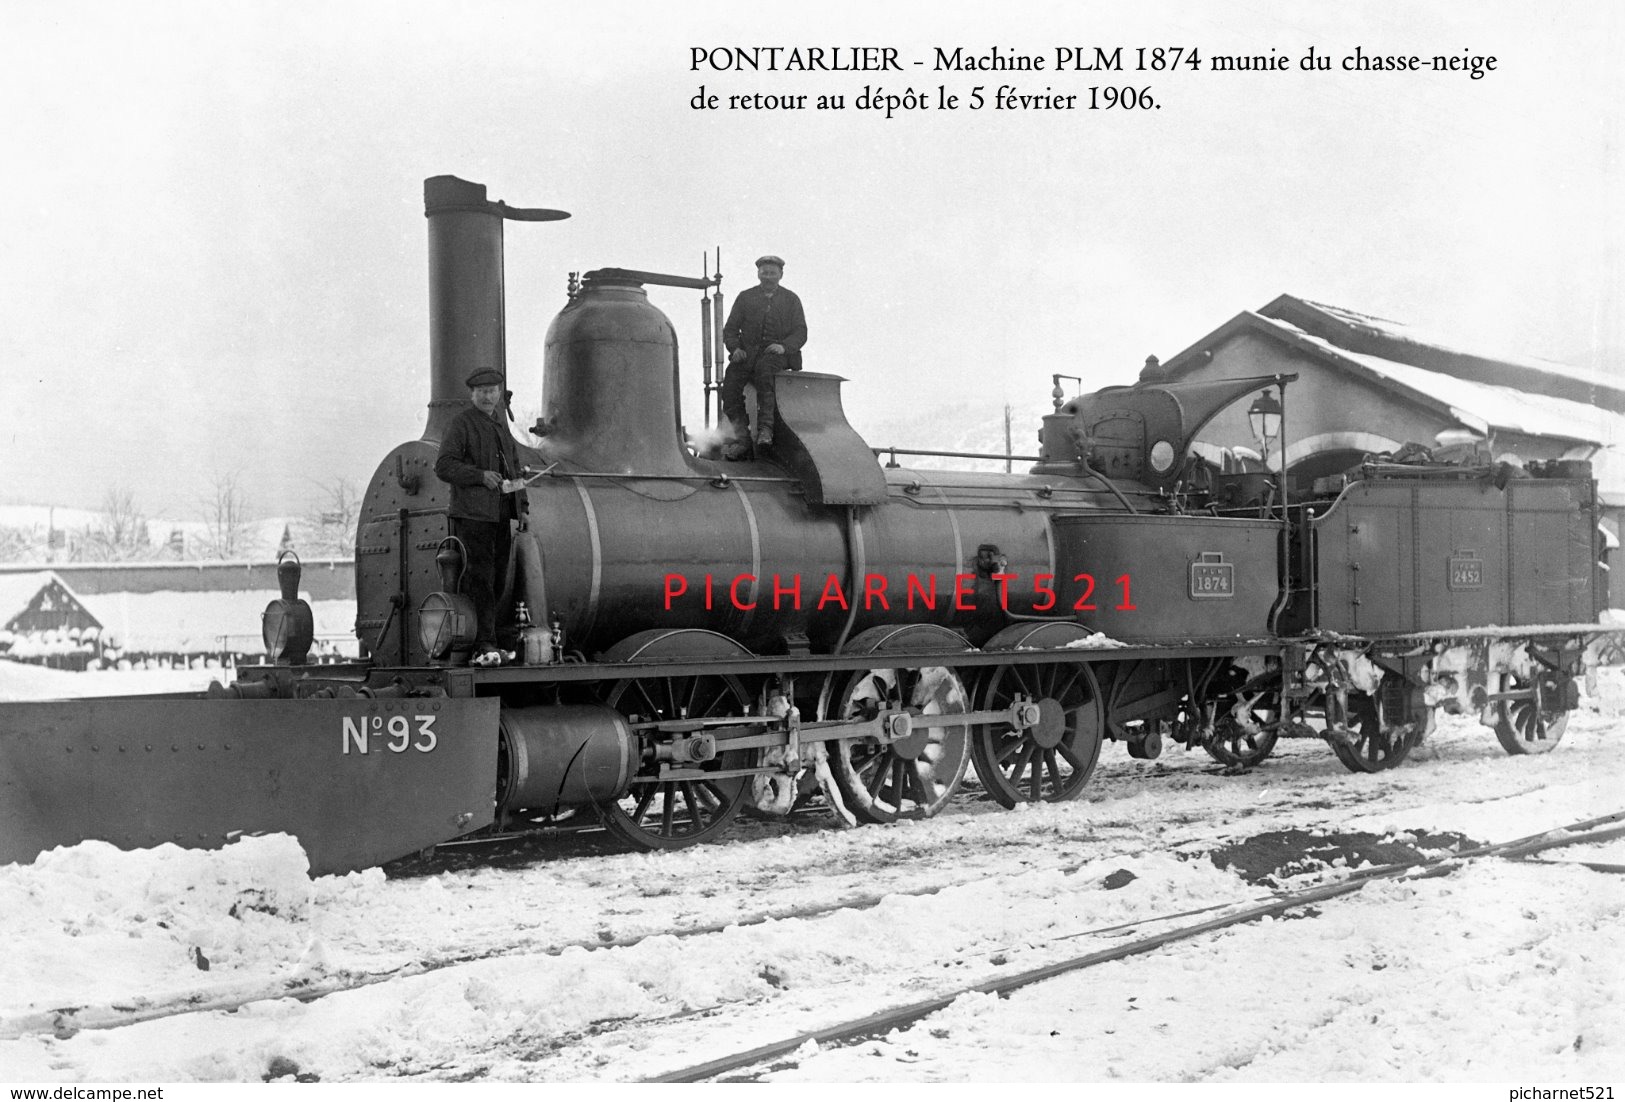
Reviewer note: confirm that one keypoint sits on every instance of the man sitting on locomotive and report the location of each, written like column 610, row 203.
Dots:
column 476, row 457
column 764, row 334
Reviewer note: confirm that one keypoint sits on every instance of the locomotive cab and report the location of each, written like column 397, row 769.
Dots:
column 1197, row 558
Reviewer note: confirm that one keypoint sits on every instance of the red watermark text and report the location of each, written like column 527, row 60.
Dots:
column 958, row 592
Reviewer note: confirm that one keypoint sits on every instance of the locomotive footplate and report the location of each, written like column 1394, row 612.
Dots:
column 835, row 663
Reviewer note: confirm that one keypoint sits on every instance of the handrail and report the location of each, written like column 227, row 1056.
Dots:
column 895, row 452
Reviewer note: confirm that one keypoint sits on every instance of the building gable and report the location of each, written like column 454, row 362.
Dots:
column 1343, row 393
column 39, row 602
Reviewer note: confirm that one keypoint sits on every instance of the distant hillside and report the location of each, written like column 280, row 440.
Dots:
column 85, row 535
column 962, row 426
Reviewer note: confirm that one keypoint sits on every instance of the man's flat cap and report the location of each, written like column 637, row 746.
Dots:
column 770, row 259
column 485, row 376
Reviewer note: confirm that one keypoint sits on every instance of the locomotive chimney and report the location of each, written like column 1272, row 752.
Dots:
column 466, row 320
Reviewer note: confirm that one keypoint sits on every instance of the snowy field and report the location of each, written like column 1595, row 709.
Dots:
column 24, row 681
column 567, row 961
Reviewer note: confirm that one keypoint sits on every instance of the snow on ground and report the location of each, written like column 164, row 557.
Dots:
column 1502, row 972
column 25, row 681
column 514, row 966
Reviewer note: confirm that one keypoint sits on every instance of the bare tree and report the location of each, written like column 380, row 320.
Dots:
column 225, row 518
column 120, row 531
column 17, row 545
column 328, row 529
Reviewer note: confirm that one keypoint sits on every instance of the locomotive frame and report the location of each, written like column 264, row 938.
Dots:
column 1250, row 619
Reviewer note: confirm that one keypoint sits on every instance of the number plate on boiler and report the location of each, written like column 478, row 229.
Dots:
column 1212, row 577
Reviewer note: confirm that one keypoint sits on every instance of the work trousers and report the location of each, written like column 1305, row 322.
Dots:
column 488, row 544
column 758, row 368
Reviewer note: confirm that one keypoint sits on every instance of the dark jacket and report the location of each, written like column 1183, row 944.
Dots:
column 758, row 320
column 475, row 443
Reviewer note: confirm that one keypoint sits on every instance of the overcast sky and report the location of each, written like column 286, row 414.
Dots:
column 214, row 246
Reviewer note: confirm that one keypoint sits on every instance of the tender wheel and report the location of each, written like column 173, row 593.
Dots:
column 1053, row 760
column 1245, row 735
column 1522, row 726
column 916, row 776
column 1377, row 745
column 671, row 814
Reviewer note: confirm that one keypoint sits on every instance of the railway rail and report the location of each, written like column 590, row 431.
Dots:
column 66, row 1022
column 1579, row 833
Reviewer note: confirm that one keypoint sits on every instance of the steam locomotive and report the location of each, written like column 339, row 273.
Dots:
column 711, row 635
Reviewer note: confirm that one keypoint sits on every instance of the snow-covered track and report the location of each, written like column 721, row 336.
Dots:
column 1302, row 795
column 1579, row 833
column 64, row 1022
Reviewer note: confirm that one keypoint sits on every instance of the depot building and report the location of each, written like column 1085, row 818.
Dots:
column 1368, row 386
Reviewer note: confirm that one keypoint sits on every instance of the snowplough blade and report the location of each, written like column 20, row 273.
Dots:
column 358, row 781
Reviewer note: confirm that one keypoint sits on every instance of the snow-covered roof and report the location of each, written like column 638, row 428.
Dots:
column 1424, row 348
column 17, row 591
column 1481, row 406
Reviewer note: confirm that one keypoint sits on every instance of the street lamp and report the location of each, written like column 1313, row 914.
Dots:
column 1264, row 416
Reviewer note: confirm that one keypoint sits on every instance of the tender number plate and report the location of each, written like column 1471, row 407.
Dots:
column 1466, row 573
